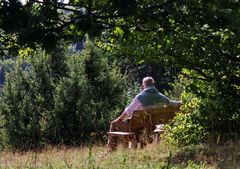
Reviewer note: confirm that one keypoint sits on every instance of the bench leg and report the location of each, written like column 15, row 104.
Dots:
column 157, row 137
column 132, row 143
column 112, row 142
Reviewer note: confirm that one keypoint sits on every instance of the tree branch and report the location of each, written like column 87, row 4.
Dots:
column 191, row 77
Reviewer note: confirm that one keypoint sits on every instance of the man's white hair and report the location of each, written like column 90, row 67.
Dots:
column 148, row 81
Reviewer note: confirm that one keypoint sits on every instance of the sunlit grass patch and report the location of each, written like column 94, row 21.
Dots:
column 153, row 156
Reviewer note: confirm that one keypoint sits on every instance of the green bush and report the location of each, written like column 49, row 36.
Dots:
column 219, row 106
column 188, row 127
column 88, row 98
column 210, row 112
column 26, row 102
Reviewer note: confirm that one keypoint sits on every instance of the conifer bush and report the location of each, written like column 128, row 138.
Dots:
column 88, row 98
column 61, row 98
column 26, row 100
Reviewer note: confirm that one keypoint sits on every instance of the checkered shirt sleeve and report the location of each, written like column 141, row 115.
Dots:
column 135, row 105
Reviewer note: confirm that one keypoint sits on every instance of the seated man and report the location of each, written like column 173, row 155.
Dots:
column 147, row 97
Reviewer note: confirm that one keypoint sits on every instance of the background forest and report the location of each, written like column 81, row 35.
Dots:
column 54, row 93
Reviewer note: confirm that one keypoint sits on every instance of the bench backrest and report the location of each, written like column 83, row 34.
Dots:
column 153, row 115
column 140, row 120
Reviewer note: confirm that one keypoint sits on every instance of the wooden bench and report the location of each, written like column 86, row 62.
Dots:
column 149, row 121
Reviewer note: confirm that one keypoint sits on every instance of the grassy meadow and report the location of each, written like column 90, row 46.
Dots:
column 153, row 156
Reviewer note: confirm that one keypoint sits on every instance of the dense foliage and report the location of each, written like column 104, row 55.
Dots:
column 41, row 106
column 206, row 115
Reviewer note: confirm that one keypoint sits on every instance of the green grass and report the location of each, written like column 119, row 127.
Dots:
column 151, row 157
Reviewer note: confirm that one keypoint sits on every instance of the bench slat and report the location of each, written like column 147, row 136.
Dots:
column 121, row 133
column 158, row 130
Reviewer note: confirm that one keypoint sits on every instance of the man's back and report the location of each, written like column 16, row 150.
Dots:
column 151, row 96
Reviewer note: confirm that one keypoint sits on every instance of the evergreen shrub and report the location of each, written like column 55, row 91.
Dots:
column 88, row 98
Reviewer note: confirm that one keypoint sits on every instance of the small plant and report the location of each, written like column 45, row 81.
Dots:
column 168, row 162
column 192, row 165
